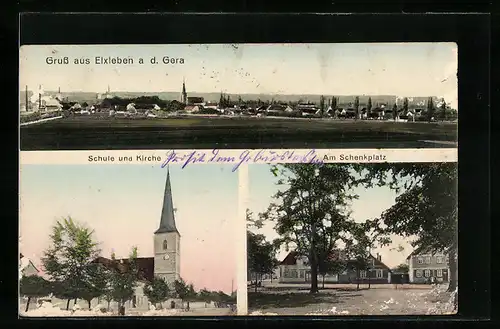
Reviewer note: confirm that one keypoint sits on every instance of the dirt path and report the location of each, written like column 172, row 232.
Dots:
column 350, row 302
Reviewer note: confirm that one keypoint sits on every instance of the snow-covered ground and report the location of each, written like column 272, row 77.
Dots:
column 388, row 301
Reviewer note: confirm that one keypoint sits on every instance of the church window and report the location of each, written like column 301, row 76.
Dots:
column 165, row 245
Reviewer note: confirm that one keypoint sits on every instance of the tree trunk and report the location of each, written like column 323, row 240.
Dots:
column 90, row 304
column 27, row 304
column 452, row 285
column 314, row 277
column 121, row 308
column 357, row 279
column 369, row 280
column 108, row 304
column 67, row 304
column 323, row 282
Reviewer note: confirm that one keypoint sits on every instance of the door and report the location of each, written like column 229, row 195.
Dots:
column 445, row 275
column 308, row 276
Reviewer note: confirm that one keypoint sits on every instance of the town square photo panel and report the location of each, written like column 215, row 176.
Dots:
column 352, row 239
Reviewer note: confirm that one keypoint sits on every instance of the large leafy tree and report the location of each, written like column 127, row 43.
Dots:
column 94, row 282
column 261, row 255
column 430, row 109
column 181, row 290
column 67, row 259
column 358, row 249
column 33, row 286
column 205, row 296
column 191, row 294
column 311, row 209
column 405, row 106
column 157, row 291
column 356, row 106
column 426, row 209
column 329, row 265
column 395, row 112
column 124, row 280
column 402, row 268
column 322, row 105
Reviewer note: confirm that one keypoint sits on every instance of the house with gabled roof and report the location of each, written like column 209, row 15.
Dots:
column 426, row 266
column 26, row 266
column 294, row 268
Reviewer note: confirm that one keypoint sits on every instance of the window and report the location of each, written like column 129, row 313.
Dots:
column 301, row 274
column 427, row 273
column 420, row 260
column 362, row 274
column 439, row 273
column 380, row 274
column 165, row 245
column 286, row 274
column 439, row 259
column 428, row 259
column 418, row 273
column 294, row 274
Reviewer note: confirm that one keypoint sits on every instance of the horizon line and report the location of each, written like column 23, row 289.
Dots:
column 225, row 93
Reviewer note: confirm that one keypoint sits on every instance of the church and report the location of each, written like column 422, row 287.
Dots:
column 166, row 260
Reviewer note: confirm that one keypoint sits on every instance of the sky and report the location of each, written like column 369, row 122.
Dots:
column 123, row 203
column 371, row 203
column 401, row 69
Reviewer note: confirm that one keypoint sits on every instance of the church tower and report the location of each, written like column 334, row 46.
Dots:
column 167, row 240
column 184, row 93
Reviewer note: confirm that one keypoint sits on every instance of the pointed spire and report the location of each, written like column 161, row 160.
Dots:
column 167, row 221
column 184, row 93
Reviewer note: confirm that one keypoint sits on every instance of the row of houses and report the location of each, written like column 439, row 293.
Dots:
column 423, row 268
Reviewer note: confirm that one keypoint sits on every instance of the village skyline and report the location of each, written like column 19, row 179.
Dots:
column 411, row 69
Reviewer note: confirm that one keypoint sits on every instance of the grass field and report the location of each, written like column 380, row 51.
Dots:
column 102, row 132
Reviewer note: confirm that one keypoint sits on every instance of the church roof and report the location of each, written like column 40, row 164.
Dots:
column 167, row 221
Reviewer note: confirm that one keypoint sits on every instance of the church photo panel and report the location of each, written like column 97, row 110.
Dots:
column 157, row 241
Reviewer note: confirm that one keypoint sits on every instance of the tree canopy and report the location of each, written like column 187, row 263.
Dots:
column 426, row 210
column 68, row 260
column 312, row 212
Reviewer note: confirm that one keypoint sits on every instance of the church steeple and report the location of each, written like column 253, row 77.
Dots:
column 184, row 93
column 167, row 221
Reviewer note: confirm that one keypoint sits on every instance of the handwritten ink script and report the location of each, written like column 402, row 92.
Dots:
column 245, row 157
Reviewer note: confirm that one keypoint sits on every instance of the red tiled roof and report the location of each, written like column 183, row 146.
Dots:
column 145, row 266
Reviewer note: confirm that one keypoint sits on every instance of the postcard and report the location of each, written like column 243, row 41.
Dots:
column 352, row 239
column 127, row 240
column 238, row 96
